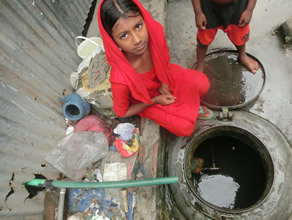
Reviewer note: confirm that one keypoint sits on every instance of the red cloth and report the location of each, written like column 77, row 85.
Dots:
column 237, row 35
column 129, row 87
column 93, row 123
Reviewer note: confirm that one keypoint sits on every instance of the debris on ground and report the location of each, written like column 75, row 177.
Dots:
column 285, row 32
column 76, row 151
column 98, row 147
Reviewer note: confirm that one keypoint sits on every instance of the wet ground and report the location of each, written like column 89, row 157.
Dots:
column 231, row 84
column 275, row 102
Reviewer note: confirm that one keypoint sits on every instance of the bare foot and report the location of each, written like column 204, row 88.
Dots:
column 249, row 63
column 200, row 66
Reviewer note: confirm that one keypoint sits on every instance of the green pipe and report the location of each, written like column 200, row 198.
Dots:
column 113, row 184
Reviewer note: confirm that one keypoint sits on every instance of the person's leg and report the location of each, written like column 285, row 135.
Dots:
column 204, row 38
column 196, row 84
column 180, row 117
column 174, row 124
column 239, row 37
column 201, row 52
column 251, row 64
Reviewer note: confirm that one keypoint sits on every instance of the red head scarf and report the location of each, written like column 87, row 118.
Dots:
column 123, row 72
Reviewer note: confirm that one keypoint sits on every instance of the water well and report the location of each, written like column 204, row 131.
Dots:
column 238, row 170
column 245, row 156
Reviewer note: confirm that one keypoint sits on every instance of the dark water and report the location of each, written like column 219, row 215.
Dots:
column 73, row 110
column 240, row 181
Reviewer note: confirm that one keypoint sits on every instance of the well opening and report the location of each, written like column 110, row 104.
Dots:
column 237, row 173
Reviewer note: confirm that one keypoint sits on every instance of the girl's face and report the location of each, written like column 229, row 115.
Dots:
column 131, row 35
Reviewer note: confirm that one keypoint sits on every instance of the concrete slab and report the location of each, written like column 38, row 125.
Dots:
column 275, row 101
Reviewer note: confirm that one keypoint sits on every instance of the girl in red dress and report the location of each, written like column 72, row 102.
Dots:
column 142, row 80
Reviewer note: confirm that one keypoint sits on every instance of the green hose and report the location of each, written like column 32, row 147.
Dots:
column 113, row 184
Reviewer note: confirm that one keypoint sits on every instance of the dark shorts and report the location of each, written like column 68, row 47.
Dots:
column 225, row 17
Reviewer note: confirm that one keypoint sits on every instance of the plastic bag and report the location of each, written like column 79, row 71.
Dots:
column 93, row 123
column 125, row 130
column 128, row 148
column 78, row 150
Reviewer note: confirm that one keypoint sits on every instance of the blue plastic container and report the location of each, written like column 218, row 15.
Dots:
column 74, row 107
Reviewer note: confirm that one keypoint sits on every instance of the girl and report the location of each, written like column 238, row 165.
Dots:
column 142, row 80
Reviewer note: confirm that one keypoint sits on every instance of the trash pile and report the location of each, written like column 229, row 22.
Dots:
column 91, row 79
column 93, row 150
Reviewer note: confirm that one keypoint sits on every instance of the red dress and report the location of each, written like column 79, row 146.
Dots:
column 130, row 87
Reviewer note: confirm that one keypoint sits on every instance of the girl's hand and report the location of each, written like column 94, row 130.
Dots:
column 164, row 99
column 201, row 21
column 164, row 89
column 245, row 18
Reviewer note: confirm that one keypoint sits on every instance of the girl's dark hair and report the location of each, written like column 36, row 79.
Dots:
column 112, row 10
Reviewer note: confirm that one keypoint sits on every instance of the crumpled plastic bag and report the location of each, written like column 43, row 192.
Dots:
column 128, row 148
column 93, row 123
column 125, row 130
column 76, row 151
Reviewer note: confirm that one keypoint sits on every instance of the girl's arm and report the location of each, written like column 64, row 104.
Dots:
column 164, row 89
column 122, row 107
column 134, row 109
column 160, row 99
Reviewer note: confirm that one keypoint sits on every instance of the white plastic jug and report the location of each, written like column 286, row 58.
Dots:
column 88, row 45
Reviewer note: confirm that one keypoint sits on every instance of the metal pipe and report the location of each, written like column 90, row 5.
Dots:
column 61, row 204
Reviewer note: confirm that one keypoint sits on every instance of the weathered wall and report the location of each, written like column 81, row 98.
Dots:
column 37, row 55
